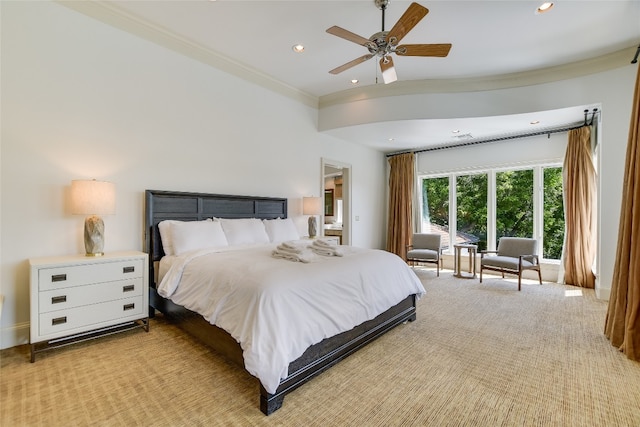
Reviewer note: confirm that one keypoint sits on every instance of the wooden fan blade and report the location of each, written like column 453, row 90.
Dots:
column 440, row 50
column 407, row 21
column 388, row 70
column 347, row 35
column 350, row 64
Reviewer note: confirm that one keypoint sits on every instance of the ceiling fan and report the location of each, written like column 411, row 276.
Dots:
column 384, row 43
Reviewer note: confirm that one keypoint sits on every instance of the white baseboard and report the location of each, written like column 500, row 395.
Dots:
column 603, row 293
column 14, row 335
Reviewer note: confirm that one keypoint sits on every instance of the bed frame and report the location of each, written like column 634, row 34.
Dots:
column 162, row 205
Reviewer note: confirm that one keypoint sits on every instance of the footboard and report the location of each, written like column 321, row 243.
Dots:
column 320, row 357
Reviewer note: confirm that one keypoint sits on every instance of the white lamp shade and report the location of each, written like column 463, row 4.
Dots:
column 312, row 206
column 389, row 75
column 91, row 197
column 388, row 70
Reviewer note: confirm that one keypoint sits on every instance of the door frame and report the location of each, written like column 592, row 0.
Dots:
column 346, row 195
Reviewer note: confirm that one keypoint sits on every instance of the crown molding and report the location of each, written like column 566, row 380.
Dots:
column 586, row 67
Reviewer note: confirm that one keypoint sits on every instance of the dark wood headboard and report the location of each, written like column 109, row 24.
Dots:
column 182, row 206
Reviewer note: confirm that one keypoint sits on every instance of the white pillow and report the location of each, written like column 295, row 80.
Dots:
column 192, row 235
column 281, row 230
column 165, row 235
column 241, row 231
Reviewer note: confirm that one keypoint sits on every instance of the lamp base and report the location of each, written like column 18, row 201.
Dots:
column 94, row 236
column 95, row 254
column 313, row 227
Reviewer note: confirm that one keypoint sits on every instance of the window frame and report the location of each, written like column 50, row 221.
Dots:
column 537, row 194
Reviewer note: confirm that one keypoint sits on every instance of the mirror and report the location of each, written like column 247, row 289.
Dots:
column 328, row 202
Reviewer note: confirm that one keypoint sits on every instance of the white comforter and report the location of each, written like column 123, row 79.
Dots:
column 276, row 308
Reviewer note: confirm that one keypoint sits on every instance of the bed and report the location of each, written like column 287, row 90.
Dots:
column 318, row 356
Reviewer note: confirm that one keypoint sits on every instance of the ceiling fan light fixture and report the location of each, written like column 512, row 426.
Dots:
column 544, row 7
column 389, row 75
column 388, row 70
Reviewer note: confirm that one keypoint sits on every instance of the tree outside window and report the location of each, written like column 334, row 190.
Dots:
column 553, row 233
column 435, row 206
column 471, row 201
column 514, row 203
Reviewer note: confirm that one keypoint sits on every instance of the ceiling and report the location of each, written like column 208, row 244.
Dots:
column 489, row 38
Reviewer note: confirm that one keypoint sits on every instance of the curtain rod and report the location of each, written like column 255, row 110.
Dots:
column 635, row 58
column 566, row 128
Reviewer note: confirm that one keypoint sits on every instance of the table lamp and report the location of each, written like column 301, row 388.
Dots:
column 312, row 206
column 93, row 198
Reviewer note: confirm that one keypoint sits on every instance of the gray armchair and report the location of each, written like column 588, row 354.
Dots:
column 425, row 247
column 514, row 255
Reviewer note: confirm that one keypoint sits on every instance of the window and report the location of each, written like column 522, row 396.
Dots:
column 553, row 233
column 435, row 207
column 436, row 201
column 471, row 209
column 482, row 207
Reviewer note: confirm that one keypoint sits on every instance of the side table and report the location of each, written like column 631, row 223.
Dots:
column 472, row 251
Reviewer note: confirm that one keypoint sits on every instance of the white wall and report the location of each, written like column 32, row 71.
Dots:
column 81, row 99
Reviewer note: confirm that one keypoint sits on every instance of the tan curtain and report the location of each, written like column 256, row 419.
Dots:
column 622, row 325
column 401, row 186
column 579, row 180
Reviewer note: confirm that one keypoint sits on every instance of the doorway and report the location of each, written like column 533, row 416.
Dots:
column 336, row 188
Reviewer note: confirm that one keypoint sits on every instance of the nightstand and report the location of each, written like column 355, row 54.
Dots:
column 337, row 240
column 76, row 298
column 333, row 239
column 332, row 232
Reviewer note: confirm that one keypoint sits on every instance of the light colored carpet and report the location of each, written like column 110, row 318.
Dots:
column 478, row 355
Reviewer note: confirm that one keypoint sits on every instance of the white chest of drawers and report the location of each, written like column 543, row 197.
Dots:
column 75, row 298
column 333, row 239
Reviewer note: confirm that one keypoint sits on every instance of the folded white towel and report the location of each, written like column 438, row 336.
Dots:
column 291, row 251
column 328, row 251
column 323, row 243
column 305, row 256
column 295, row 246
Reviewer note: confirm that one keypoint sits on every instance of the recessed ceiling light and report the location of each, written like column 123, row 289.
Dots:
column 391, row 139
column 298, row 48
column 455, row 131
column 544, row 7
column 534, row 122
column 355, row 81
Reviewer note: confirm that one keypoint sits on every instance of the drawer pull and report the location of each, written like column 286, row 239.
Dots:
column 128, row 269
column 128, row 288
column 59, row 320
column 58, row 277
column 128, row 307
column 58, row 300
